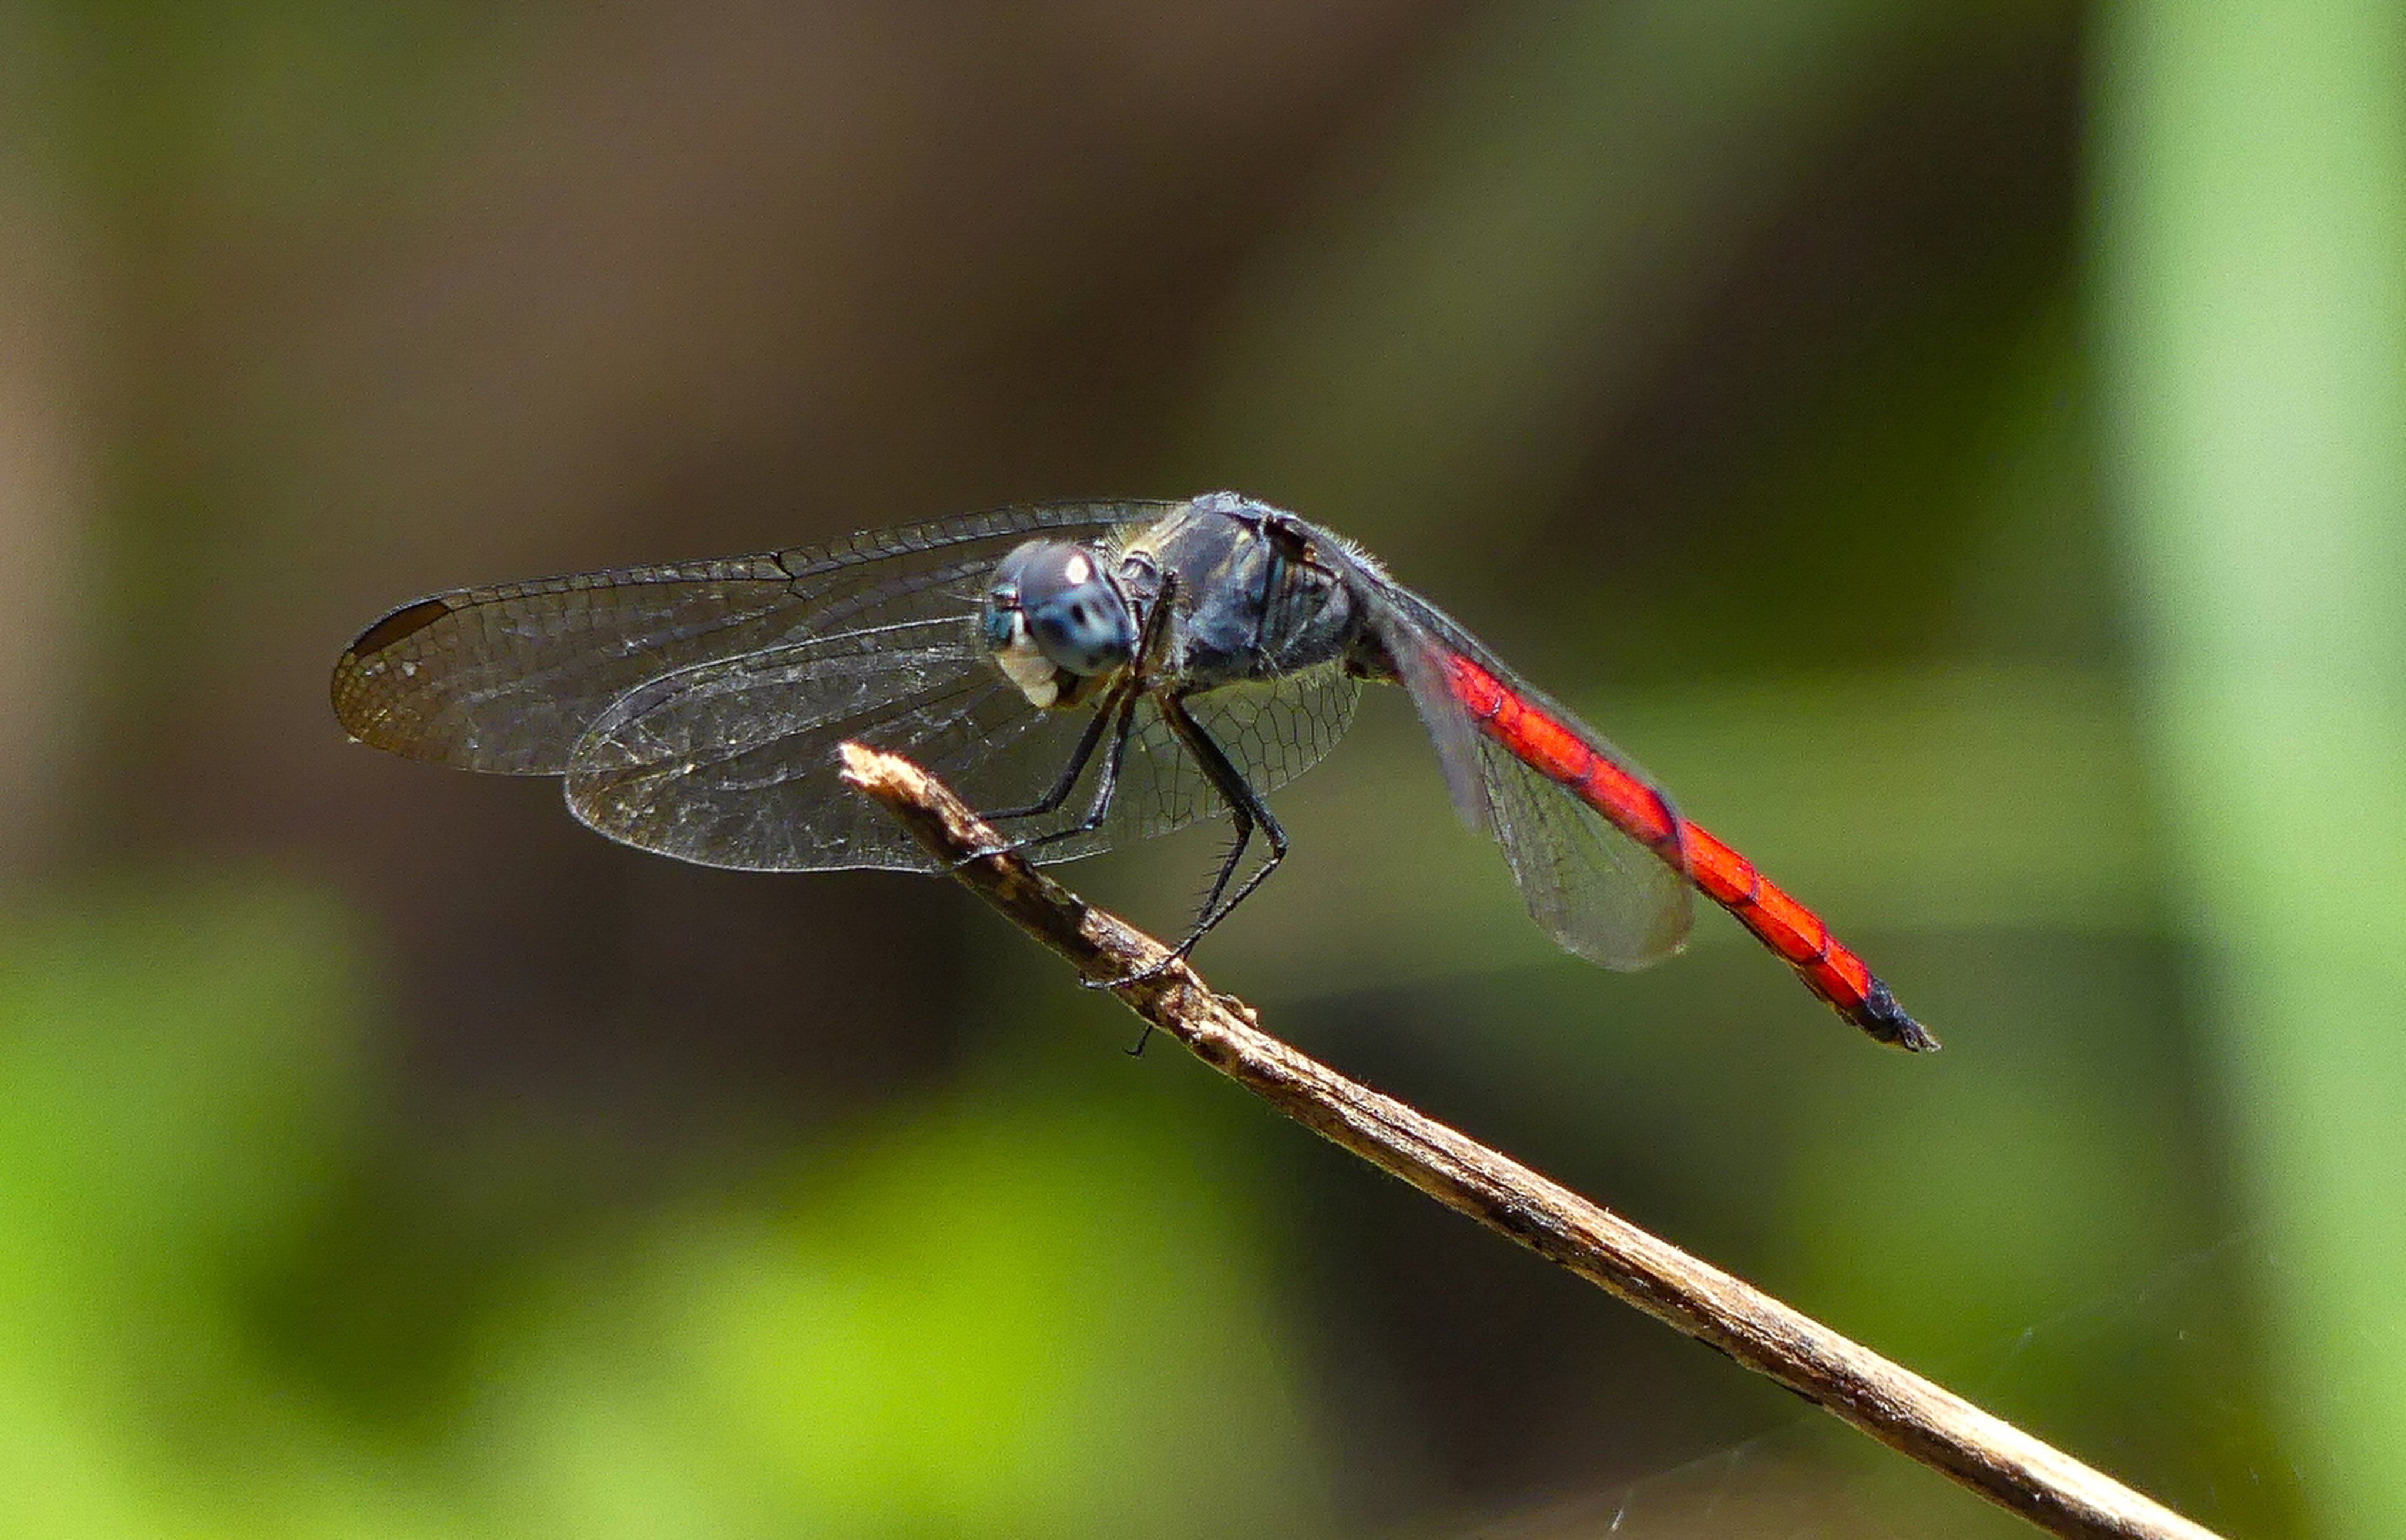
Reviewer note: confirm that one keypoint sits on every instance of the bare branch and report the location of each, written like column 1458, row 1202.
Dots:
column 1884, row 1400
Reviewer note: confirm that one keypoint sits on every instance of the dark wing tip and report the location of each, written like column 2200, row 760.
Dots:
column 361, row 699
column 407, row 621
column 1886, row 1020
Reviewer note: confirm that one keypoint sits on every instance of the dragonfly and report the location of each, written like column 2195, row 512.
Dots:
column 1089, row 674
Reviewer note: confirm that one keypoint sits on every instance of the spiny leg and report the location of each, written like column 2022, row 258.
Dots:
column 1067, row 781
column 1245, row 806
column 1248, row 812
column 1122, row 708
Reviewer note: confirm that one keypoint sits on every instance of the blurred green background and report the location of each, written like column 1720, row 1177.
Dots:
column 1957, row 443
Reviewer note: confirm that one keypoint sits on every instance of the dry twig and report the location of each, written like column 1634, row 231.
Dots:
column 1893, row 1404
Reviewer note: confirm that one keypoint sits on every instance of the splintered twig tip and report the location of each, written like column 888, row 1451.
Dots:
column 894, row 781
column 863, row 764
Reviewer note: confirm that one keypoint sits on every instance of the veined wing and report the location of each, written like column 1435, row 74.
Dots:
column 732, row 763
column 1271, row 729
column 1527, row 772
column 507, row 678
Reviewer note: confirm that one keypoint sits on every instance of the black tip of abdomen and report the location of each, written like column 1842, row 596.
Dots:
column 1884, row 1019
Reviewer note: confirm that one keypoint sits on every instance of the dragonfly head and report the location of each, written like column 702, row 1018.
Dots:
column 1051, row 610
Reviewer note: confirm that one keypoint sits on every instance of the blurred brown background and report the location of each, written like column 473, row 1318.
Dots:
column 1819, row 394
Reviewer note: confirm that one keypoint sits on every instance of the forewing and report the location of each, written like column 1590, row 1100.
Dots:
column 508, row 678
column 1596, row 890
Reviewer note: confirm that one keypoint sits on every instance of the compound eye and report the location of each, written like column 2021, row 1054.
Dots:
column 1074, row 614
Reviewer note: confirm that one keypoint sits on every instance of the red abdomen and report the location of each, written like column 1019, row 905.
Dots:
column 1563, row 753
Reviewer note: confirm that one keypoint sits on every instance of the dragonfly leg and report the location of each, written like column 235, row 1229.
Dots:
column 1067, row 781
column 1249, row 812
column 1245, row 805
column 1120, row 709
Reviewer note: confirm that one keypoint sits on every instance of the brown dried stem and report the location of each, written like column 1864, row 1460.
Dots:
column 1893, row 1404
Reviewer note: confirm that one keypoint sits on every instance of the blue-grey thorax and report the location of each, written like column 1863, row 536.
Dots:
column 1251, row 601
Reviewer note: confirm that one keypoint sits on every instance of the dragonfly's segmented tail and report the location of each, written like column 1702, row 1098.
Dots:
column 1794, row 933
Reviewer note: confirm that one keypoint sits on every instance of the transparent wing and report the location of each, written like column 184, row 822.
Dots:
column 1272, row 731
column 1596, row 890
column 508, row 678
column 732, row 763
